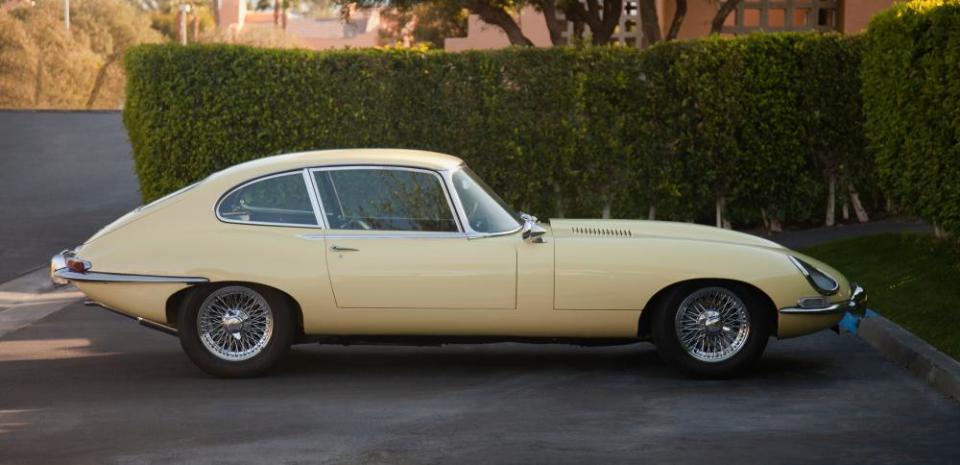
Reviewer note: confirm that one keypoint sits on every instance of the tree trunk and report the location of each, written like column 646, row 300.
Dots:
column 771, row 224
column 182, row 27
column 38, row 87
column 612, row 9
column 283, row 17
column 276, row 12
column 678, row 17
column 101, row 77
column 499, row 17
column 652, row 215
column 558, row 200
column 606, row 211
column 650, row 21
column 831, row 200
column 602, row 19
column 845, row 210
column 857, row 205
column 555, row 28
column 775, row 225
column 720, row 204
column 716, row 26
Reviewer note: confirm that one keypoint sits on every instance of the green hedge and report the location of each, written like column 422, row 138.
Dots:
column 911, row 88
column 560, row 131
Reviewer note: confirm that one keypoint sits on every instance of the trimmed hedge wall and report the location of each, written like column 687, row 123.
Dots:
column 760, row 121
column 911, row 88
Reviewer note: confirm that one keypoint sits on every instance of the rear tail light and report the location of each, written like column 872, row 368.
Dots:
column 78, row 266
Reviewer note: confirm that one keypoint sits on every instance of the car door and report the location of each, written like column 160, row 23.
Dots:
column 394, row 240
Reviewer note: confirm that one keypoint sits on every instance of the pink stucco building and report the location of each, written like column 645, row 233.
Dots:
column 844, row 16
column 363, row 29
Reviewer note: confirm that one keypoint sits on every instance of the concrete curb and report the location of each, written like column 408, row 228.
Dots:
column 912, row 354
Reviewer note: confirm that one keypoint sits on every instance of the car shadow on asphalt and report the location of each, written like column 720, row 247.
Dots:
column 82, row 344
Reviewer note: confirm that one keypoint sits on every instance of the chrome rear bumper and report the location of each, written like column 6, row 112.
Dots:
column 857, row 303
column 57, row 263
column 60, row 274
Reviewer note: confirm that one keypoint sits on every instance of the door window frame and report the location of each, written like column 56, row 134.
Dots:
column 456, row 213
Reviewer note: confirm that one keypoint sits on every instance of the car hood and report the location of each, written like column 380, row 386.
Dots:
column 627, row 229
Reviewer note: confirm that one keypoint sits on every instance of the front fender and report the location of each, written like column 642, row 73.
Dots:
column 624, row 273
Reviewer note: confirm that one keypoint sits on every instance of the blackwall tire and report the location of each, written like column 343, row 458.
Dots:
column 235, row 330
column 711, row 330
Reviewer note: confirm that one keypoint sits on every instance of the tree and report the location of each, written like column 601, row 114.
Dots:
column 112, row 27
column 600, row 17
column 163, row 17
column 423, row 24
column 727, row 7
column 43, row 66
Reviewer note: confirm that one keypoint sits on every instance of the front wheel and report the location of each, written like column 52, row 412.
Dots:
column 711, row 331
column 235, row 331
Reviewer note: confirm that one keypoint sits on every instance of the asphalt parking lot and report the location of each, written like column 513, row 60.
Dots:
column 85, row 386
column 63, row 176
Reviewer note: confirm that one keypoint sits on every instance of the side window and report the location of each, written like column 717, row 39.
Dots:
column 384, row 199
column 277, row 200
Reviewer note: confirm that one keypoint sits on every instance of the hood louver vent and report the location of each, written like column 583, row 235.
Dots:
column 612, row 232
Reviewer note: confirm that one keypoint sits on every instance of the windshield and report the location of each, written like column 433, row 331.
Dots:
column 486, row 211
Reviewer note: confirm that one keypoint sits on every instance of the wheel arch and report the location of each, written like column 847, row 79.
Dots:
column 646, row 315
column 175, row 302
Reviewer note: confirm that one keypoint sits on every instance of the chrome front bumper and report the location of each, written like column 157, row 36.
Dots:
column 857, row 303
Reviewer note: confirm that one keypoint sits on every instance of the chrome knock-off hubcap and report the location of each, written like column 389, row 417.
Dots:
column 712, row 324
column 235, row 323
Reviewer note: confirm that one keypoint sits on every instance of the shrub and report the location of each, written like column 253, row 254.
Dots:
column 911, row 92
column 559, row 132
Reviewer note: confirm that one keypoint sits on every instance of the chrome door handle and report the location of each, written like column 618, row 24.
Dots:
column 337, row 248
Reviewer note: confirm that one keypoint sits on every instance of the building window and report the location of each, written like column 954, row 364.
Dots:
column 783, row 15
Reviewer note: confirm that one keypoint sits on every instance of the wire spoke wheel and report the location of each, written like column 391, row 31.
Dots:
column 235, row 323
column 712, row 324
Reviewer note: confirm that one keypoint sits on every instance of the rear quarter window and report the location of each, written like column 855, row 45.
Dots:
column 275, row 200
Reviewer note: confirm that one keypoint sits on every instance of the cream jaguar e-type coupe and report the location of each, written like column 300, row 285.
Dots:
column 355, row 246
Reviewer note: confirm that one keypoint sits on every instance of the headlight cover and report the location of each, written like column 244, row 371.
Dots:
column 822, row 282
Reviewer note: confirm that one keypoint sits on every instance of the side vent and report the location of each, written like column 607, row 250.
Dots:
column 610, row 232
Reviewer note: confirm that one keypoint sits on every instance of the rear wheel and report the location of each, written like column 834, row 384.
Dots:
column 235, row 331
column 715, row 330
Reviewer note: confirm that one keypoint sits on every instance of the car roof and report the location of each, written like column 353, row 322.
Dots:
column 320, row 158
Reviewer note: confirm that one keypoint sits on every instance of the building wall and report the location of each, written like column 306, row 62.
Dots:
column 854, row 15
column 231, row 15
column 482, row 35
